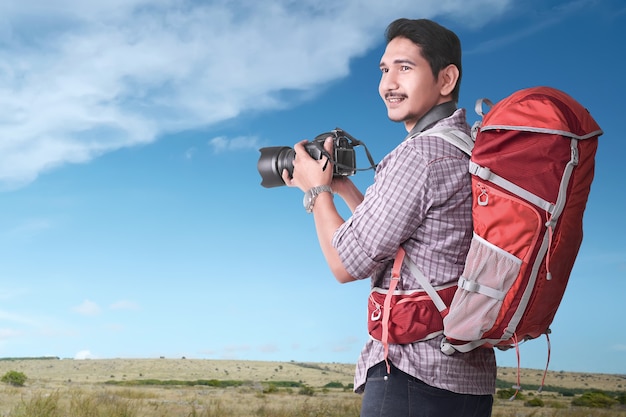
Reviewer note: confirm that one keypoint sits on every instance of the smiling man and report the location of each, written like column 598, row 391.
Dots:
column 420, row 202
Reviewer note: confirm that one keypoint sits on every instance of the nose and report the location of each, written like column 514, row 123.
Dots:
column 388, row 82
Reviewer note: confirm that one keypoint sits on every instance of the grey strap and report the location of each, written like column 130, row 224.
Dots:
column 426, row 285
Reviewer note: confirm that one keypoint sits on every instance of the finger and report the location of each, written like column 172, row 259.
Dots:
column 287, row 178
column 328, row 144
column 300, row 146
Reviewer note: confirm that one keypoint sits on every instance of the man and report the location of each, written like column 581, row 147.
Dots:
column 420, row 201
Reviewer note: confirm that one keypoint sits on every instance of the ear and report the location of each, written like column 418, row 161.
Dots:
column 448, row 77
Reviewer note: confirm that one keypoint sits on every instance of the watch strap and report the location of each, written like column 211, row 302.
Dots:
column 311, row 195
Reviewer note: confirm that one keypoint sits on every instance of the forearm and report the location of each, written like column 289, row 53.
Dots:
column 348, row 192
column 353, row 199
column 327, row 221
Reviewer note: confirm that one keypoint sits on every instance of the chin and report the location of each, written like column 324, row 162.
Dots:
column 407, row 121
column 395, row 118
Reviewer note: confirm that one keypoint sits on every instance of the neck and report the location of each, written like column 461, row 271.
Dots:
column 440, row 111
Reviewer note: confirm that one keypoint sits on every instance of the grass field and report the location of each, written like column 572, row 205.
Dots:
column 206, row 388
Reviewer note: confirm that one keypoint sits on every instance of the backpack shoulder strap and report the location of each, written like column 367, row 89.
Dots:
column 427, row 286
column 456, row 137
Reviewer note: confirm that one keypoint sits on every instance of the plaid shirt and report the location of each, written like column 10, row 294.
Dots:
column 420, row 199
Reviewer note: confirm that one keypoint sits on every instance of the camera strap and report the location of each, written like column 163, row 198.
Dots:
column 440, row 111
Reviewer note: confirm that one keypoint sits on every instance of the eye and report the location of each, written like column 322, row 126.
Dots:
column 384, row 70
column 405, row 68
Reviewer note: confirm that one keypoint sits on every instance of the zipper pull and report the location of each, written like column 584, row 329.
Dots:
column 483, row 196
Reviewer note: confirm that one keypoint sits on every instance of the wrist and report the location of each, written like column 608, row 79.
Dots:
column 311, row 195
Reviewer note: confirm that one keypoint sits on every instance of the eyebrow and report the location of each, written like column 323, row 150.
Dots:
column 399, row 61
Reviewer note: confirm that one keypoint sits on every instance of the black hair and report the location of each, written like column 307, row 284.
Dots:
column 439, row 45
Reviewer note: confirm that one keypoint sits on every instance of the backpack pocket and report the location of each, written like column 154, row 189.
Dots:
column 495, row 261
column 412, row 317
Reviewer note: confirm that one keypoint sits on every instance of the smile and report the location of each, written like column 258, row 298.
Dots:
column 394, row 99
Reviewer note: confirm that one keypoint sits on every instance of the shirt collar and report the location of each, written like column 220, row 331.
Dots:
column 440, row 111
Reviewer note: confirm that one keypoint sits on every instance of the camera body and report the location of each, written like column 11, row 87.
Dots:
column 275, row 159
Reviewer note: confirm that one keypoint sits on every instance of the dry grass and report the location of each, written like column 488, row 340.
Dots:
column 80, row 385
column 100, row 370
column 573, row 380
column 86, row 379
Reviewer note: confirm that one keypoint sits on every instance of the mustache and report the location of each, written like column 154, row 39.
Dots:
column 395, row 95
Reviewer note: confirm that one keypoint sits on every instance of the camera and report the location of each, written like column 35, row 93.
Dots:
column 275, row 159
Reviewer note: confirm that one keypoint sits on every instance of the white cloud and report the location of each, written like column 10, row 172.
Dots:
column 88, row 308
column 83, row 354
column 222, row 143
column 79, row 79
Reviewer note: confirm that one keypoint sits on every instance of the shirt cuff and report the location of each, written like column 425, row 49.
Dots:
column 353, row 257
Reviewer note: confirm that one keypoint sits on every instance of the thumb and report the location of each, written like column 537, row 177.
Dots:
column 328, row 145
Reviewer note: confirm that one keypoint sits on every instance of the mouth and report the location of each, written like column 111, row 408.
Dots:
column 394, row 98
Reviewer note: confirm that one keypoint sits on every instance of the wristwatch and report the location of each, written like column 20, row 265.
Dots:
column 311, row 195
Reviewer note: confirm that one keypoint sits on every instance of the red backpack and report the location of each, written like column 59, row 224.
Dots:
column 532, row 165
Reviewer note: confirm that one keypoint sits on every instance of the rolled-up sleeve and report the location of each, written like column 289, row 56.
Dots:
column 353, row 256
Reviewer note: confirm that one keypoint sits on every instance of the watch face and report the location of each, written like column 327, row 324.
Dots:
column 309, row 196
column 307, row 200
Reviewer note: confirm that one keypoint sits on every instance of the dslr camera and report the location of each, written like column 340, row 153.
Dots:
column 275, row 159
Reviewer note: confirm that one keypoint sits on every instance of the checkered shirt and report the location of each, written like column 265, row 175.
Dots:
column 420, row 199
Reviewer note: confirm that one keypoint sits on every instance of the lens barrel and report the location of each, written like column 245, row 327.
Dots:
column 272, row 162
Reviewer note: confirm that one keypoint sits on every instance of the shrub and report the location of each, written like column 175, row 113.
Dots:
column 14, row 378
column 557, row 404
column 508, row 393
column 534, row 402
column 270, row 389
column 594, row 399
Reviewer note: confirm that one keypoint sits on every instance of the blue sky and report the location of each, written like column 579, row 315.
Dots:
column 133, row 223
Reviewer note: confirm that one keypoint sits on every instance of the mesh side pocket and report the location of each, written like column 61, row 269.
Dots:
column 472, row 313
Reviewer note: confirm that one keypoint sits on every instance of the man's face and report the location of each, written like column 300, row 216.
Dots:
column 407, row 85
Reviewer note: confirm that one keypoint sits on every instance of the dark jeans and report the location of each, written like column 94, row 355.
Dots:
column 401, row 395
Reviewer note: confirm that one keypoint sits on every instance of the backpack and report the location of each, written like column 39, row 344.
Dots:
column 531, row 164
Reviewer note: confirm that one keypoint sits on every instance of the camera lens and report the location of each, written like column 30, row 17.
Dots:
column 272, row 162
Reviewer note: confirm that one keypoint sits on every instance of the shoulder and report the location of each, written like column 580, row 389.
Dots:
column 424, row 149
column 432, row 146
